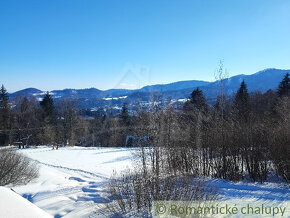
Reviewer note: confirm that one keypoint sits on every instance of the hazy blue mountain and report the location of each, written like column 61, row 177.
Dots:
column 260, row 81
column 76, row 93
column 174, row 86
column 26, row 92
column 96, row 93
column 94, row 98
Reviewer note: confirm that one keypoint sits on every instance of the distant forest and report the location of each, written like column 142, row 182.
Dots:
column 248, row 136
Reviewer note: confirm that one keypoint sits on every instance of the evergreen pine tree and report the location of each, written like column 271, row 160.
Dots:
column 196, row 101
column 4, row 99
column 49, row 135
column 124, row 123
column 241, row 103
column 284, row 86
column 49, row 110
column 4, row 116
column 124, row 116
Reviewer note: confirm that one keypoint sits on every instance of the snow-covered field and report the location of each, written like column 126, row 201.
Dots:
column 72, row 179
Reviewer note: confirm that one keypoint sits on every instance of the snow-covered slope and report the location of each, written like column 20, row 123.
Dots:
column 13, row 205
column 72, row 180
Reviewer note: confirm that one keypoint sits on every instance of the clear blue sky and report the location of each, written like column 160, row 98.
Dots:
column 56, row 44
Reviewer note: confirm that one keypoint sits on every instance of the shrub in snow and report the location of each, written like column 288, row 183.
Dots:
column 16, row 168
column 132, row 195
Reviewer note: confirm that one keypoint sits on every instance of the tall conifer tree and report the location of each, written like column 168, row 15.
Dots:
column 241, row 103
column 196, row 101
column 48, row 107
column 4, row 116
column 284, row 86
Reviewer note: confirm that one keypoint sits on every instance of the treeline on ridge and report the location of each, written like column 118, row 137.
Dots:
column 247, row 136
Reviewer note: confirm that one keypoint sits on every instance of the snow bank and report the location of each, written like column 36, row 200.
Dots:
column 13, row 205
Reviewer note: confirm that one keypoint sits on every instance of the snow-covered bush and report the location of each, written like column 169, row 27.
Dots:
column 133, row 194
column 16, row 168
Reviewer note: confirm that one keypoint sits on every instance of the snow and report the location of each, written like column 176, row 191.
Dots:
column 182, row 100
column 21, row 207
column 115, row 98
column 43, row 93
column 72, row 181
column 267, row 191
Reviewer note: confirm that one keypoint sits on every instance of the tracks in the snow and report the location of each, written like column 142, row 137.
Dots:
column 73, row 169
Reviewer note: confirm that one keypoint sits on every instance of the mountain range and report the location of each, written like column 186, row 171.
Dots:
column 93, row 98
